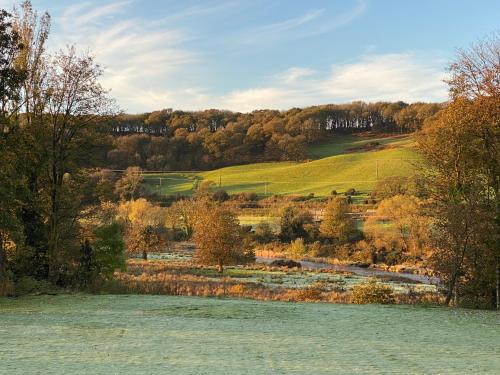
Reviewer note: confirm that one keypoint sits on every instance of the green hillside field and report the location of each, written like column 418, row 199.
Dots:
column 343, row 163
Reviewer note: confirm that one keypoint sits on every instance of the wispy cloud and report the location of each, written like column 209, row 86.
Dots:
column 311, row 23
column 139, row 59
column 196, row 11
column 86, row 12
column 341, row 19
column 291, row 23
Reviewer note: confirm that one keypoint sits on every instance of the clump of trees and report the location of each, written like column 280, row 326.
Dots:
column 50, row 117
column 179, row 140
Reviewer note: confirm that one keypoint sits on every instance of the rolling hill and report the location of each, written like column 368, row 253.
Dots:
column 346, row 162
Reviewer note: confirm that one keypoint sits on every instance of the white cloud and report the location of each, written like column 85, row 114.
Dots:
column 396, row 76
column 294, row 74
column 387, row 77
column 139, row 59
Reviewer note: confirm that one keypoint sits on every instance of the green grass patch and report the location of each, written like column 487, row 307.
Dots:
column 341, row 164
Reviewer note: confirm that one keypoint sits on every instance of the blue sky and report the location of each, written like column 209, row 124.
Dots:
column 252, row 54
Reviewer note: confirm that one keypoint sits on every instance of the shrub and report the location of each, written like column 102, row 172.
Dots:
column 249, row 205
column 292, row 223
column 390, row 187
column 315, row 249
column 109, row 249
column 220, row 196
column 264, row 232
column 334, row 192
column 248, row 196
column 6, row 287
column 372, row 292
column 26, row 285
column 297, row 249
column 337, row 224
column 350, row 192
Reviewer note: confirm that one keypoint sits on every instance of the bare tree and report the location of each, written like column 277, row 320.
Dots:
column 476, row 70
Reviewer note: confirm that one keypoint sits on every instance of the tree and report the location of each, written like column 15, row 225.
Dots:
column 406, row 226
column 129, row 186
column 390, row 186
column 218, row 238
column 182, row 215
column 74, row 103
column 109, row 249
column 466, row 210
column 292, row 223
column 462, row 145
column 143, row 239
column 11, row 79
column 144, row 226
column 337, row 224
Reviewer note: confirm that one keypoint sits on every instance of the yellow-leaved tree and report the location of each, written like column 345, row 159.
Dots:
column 144, row 226
column 337, row 224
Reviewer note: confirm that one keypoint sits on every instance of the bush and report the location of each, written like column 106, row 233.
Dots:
column 220, row 196
column 350, row 192
column 372, row 292
column 26, row 285
column 6, row 287
column 288, row 263
column 247, row 196
column 264, row 232
column 109, row 250
column 297, row 249
column 334, row 192
column 315, row 249
column 292, row 223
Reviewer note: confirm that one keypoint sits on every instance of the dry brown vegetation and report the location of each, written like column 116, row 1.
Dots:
column 180, row 278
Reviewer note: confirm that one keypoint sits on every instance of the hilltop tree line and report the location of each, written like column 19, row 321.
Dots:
column 178, row 140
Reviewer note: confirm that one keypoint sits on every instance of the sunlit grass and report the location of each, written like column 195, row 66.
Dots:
column 336, row 168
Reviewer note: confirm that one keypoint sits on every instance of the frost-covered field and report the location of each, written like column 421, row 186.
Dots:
column 182, row 335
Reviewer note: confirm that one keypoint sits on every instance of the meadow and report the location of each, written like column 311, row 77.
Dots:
column 348, row 161
column 130, row 334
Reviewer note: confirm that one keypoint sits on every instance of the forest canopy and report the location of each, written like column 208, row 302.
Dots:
column 180, row 140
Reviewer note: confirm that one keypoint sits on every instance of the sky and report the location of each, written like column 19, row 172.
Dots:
column 244, row 55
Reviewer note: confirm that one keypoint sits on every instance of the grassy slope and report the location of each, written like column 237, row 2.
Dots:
column 335, row 167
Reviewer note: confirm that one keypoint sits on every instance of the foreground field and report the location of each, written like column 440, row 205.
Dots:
column 346, row 162
column 182, row 335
